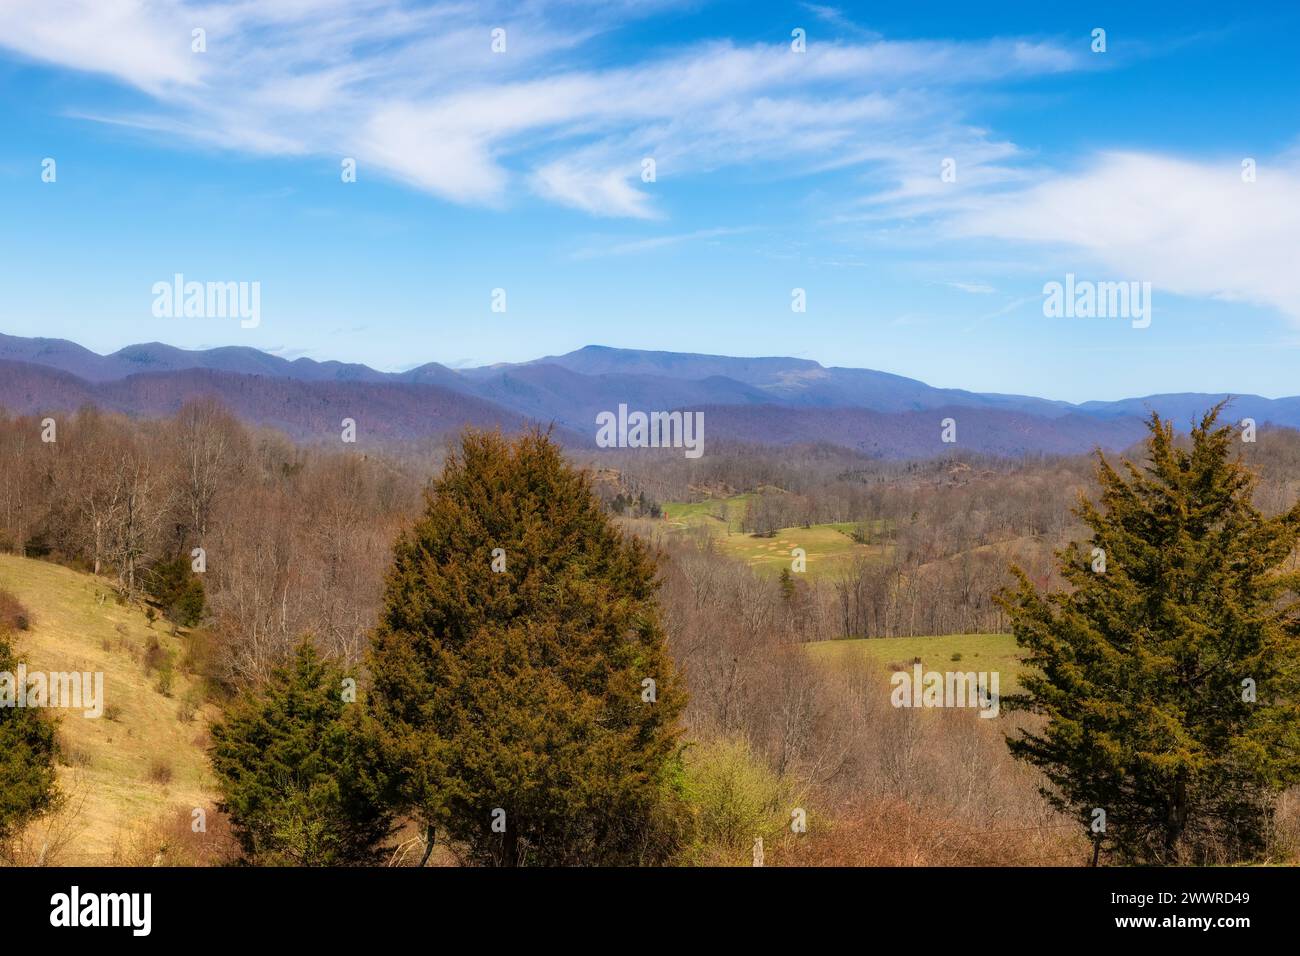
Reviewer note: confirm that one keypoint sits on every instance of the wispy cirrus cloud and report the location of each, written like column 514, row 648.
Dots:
column 416, row 93
column 835, row 17
column 973, row 288
column 664, row 241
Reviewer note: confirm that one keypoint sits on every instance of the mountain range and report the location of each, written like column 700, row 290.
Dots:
column 772, row 400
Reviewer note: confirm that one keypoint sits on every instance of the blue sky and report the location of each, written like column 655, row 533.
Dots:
column 775, row 170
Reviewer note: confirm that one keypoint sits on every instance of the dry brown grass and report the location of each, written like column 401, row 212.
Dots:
column 171, row 839
column 52, row 839
column 895, row 833
column 77, row 625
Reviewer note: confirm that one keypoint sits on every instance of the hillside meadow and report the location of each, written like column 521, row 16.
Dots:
column 141, row 761
column 829, row 547
column 945, row 652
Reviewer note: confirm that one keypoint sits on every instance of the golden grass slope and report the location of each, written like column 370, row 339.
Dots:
column 143, row 758
column 943, row 652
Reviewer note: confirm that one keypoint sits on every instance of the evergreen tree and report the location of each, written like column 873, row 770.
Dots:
column 786, row 581
column 178, row 589
column 297, row 770
column 28, row 749
column 520, row 668
column 1169, row 671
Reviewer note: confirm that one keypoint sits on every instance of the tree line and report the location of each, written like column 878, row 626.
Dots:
column 499, row 661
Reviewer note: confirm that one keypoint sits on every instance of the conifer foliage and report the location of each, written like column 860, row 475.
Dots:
column 1169, row 670
column 297, row 773
column 28, row 749
column 520, row 668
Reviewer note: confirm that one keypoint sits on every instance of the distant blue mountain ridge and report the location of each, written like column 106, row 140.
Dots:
column 769, row 400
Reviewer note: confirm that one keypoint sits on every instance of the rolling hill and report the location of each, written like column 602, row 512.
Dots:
column 304, row 410
column 768, row 401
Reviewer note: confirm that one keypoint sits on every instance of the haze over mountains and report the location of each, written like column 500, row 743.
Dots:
column 773, row 400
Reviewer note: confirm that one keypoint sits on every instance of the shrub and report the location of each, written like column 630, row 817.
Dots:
column 731, row 797
column 13, row 615
column 155, row 658
column 172, row 839
column 164, row 683
column 28, row 751
column 295, row 767
column 189, row 706
column 178, row 590
column 71, row 756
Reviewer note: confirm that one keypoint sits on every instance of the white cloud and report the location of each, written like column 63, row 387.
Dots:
column 453, row 162
column 415, row 93
column 602, row 192
column 1190, row 228
column 144, row 44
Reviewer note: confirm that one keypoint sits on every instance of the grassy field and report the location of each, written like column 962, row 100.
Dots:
column 685, row 513
column 826, row 546
column 979, row 652
column 141, row 758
